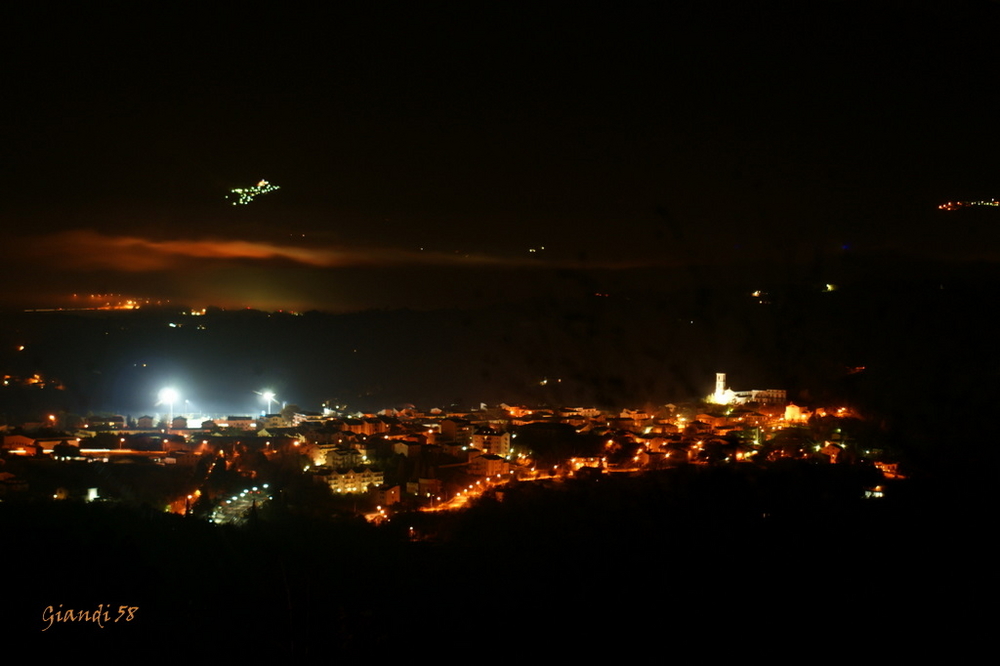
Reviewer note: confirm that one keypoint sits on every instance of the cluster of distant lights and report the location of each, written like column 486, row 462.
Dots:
column 955, row 205
column 103, row 302
column 244, row 195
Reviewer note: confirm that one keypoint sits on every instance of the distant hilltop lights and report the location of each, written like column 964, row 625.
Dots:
column 955, row 205
column 244, row 195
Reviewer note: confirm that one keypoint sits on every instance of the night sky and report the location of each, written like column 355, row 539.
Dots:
column 423, row 153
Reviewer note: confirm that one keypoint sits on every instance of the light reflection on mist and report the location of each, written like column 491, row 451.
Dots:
column 264, row 274
column 90, row 250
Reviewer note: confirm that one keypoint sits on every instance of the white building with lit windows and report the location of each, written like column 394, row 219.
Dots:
column 354, row 480
column 492, row 441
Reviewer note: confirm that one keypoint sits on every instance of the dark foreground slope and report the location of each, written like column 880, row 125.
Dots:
column 788, row 558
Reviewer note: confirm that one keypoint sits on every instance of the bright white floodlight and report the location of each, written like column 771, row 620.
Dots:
column 268, row 395
column 169, row 396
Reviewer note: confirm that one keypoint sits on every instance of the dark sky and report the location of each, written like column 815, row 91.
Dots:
column 422, row 153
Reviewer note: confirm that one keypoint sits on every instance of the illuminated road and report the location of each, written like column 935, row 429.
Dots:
column 236, row 509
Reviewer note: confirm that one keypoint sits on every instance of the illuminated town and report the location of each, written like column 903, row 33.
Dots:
column 433, row 459
column 246, row 195
column 955, row 205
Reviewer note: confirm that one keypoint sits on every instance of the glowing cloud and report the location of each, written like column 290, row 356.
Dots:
column 90, row 250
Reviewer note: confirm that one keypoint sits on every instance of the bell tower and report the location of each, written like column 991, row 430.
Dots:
column 720, row 383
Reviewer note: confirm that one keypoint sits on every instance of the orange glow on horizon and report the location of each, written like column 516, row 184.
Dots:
column 91, row 250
